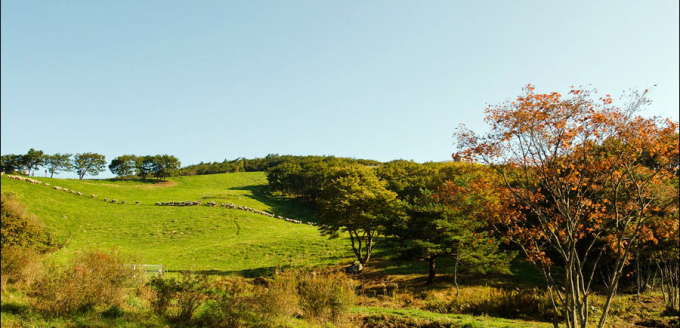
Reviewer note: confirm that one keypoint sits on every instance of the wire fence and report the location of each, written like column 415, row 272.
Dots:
column 149, row 269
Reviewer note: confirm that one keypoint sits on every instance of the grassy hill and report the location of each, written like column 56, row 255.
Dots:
column 236, row 242
column 225, row 241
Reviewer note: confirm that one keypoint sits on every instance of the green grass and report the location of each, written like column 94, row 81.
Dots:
column 215, row 239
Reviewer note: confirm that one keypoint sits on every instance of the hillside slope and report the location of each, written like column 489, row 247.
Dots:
column 193, row 237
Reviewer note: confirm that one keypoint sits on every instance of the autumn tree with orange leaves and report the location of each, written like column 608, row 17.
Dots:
column 582, row 178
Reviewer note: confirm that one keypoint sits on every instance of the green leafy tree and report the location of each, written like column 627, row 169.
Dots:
column 408, row 178
column 33, row 159
column 445, row 219
column 145, row 165
column 89, row 163
column 166, row 166
column 123, row 166
column 355, row 201
column 285, row 178
column 12, row 163
column 58, row 162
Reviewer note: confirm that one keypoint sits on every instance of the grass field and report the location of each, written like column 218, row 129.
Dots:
column 221, row 240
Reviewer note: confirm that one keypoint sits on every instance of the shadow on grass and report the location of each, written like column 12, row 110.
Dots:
column 147, row 181
column 280, row 205
column 248, row 273
column 385, row 262
column 14, row 308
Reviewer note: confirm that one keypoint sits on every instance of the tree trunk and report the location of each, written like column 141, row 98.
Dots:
column 610, row 297
column 430, row 277
column 638, row 276
column 369, row 248
column 455, row 275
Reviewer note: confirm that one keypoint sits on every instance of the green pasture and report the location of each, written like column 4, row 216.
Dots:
column 216, row 239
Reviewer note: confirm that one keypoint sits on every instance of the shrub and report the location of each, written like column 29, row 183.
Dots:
column 19, row 266
column 164, row 292
column 231, row 308
column 19, row 228
column 281, row 299
column 178, row 299
column 326, row 297
column 506, row 303
column 191, row 294
column 517, row 303
column 92, row 278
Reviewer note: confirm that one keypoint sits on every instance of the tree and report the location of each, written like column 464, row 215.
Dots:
column 58, row 162
column 33, row 159
column 166, row 166
column 89, row 163
column 285, row 178
column 123, row 166
column 145, row 165
column 446, row 219
column 12, row 163
column 661, row 252
column 408, row 178
column 577, row 184
column 355, row 201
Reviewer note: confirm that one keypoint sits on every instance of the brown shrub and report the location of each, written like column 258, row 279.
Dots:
column 19, row 228
column 19, row 267
column 326, row 297
column 92, row 278
column 281, row 298
column 507, row 303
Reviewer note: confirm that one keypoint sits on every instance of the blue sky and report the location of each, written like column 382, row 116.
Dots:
column 214, row 80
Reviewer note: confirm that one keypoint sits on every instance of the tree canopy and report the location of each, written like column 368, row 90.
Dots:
column 356, row 201
column 166, row 166
column 33, row 159
column 124, row 165
column 11, row 163
column 578, row 183
column 58, row 162
column 89, row 163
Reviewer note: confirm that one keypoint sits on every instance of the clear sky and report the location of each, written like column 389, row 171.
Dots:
column 214, row 80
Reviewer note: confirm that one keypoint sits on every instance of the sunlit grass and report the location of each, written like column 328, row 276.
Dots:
column 225, row 241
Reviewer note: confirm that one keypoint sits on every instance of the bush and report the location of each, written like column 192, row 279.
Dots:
column 164, row 292
column 517, row 303
column 234, row 303
column 281, row 299
column 326, row 297
column 191, row 294
column 506, row 303
column 19, row 266
column 19, row 228
column 92, row 278
column 231, row 308
column 178, row 299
